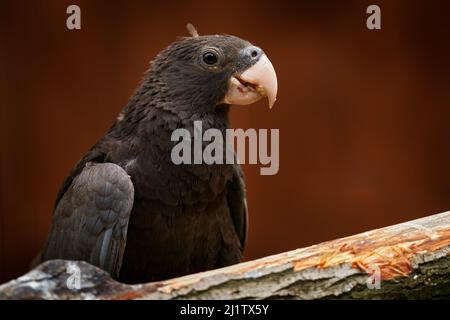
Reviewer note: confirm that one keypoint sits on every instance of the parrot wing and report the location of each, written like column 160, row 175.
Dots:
column 237, row 203
column 91, row 218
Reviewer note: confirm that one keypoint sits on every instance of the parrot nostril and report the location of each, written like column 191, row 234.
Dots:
column 253, row 52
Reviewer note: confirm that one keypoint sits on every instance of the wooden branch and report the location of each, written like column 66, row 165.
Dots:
column 410, row 260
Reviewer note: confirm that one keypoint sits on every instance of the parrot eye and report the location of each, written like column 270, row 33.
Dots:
column 210, row 58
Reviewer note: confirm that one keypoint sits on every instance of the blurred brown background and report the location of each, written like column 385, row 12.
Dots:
column 363, row 115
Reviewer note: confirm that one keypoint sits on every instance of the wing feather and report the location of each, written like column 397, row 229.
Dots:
column 237, row 203
column 91, row 218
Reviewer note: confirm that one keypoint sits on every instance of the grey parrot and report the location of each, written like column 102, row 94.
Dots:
column 127, row 208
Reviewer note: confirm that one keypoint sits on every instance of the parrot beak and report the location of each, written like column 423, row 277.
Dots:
column 258, row 81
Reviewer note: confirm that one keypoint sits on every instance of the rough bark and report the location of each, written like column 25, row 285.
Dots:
column 411, row 260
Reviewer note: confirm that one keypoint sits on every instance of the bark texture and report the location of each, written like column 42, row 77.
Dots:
column 405, row 261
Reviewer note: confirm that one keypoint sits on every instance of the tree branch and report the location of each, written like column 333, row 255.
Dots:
column 408, row 260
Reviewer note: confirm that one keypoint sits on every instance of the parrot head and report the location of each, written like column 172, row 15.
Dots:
column 215, row 70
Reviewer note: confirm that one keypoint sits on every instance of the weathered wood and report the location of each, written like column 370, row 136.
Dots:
column 411, row 260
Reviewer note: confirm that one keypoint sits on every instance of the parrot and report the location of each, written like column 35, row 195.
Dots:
column 127, row 208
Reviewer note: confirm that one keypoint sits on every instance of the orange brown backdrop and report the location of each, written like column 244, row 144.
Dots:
column 363, row 115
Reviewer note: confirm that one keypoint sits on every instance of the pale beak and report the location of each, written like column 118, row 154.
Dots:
column 258, row 81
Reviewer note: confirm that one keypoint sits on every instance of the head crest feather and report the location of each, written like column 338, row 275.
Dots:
column 192, row 31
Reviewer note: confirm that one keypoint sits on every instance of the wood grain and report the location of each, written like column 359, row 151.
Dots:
column 410, row 260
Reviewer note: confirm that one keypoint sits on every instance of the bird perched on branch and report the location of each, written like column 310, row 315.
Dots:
column 127, row 208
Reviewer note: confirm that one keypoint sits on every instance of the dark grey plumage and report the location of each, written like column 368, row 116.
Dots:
column 91, row 219
column 127, row 208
